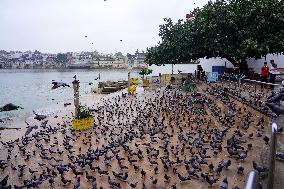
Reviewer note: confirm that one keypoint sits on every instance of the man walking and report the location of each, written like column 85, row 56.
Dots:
column 264, row 74
column 273, row 73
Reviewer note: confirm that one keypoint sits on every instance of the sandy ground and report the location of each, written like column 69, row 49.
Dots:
column 127, row 118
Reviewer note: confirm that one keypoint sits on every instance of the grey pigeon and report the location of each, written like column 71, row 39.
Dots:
column 39, row 117
column 59, row 84
column 224, row 184
column 259, row 168
column 30, row 128
column 280, row 155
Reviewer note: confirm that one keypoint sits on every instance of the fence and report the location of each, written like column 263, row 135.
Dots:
column 273, row 139
column 252, row 178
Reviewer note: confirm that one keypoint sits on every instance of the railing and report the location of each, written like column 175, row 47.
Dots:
column 251, row 181
column 272, row 156
column 252, row 178
column 250, row 80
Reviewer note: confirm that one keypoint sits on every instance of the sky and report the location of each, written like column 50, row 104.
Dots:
column 54, row 26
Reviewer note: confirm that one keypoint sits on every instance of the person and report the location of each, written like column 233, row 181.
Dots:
column 273, row 73
column 200, row 73
column 264, row 74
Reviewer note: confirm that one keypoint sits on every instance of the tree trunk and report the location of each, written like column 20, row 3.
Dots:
column 240, row 63
column 243, row 67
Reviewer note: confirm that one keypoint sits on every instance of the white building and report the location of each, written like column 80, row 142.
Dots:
column 110, row 62
column 139, row 60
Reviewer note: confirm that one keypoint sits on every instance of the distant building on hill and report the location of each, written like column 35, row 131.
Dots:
column 107, row 61
column 137, row 60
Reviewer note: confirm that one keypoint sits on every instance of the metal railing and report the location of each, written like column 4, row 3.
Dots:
column 252, row 178
column 273, row 139
column 251, row 181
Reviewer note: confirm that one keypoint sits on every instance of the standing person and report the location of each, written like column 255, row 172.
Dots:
column 264, row 74
column 199, row 72
column 273, row 73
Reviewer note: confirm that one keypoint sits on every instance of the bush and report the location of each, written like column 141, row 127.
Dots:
column 83, row 112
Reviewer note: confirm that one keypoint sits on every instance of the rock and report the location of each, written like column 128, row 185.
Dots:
column 10, row 107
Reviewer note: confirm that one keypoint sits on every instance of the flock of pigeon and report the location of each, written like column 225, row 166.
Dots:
column 160, row 139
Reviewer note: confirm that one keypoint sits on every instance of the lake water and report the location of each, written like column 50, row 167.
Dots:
column 31, row 89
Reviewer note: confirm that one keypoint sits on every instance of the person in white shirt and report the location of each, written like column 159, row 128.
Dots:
column 273, row 73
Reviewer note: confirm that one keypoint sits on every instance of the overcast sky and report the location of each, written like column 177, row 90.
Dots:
column 60, row 25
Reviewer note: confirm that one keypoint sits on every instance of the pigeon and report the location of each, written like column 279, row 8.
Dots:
column 39, row 117
column 4, row 181
column 259, row 168
column 242, row 155
column 224, row 184
column 59, row 84
column 266, row 139
column 133, row 185
column 30, row 128
column 240, row 169
column 280, row 155
column 77, row 183
column 279, row 129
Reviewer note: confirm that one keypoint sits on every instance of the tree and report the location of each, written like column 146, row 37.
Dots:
column 61, row 58
column 145, row 71
column 233, row 29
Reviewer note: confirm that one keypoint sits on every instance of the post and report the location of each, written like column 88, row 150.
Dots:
column 229, row 86
column 254, row 90
column 76, row 87
column 272, row 156
column 172, row 69
column 240, row 82
column 160, row 76
column 251, row 181
column 128, row 89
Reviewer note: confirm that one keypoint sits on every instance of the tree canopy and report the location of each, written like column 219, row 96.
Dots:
column 61, row 58
column 145, row 71
column 232, row 29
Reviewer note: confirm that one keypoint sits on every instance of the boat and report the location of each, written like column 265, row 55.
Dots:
column 111, row 86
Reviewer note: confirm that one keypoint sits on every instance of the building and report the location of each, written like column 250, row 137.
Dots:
column 109, row 61
column 138, row 60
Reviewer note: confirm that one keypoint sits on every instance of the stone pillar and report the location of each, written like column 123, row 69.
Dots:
column 129, row 83
column 76, row 87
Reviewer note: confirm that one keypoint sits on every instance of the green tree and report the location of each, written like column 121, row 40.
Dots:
column 61, row 58
column 145, row 71
column 233, row 29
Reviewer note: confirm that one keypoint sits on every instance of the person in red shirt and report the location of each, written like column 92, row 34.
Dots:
column 264, row 74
